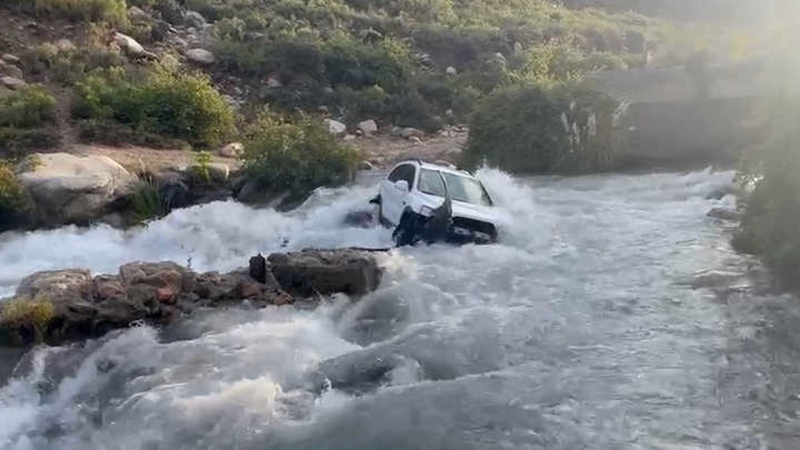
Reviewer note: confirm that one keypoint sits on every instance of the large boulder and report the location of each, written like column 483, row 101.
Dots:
column 232, row 150
column 69, row 305
column 128, row 45
column 81, row 307
column 12, row 82
column 13, row 72
column 368, row 127
column 200, row 56
column 324, row 272
column 195, row 19
column 69, row 188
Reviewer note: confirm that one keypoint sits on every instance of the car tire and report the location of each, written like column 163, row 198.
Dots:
column 406, row 233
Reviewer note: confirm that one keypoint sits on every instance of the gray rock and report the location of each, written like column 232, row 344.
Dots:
column 9, row 58
column 368, row 127
column 410, row 132
column 68, row 188
column 349, row 138
column 65, row 45
column 12, row 83
column 724, row 214
column 335, row 127
column 161, row 293
column 128, row 45
column 200, row 56
column 451, row 71
column 13, row 72
column 321, row 272
column 274, row 83
column 195, row 19
column 219, row 172
column 137, row 13
column 366, row 165
column 232, row 150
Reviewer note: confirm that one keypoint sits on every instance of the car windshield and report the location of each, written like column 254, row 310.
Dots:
column 462, row 189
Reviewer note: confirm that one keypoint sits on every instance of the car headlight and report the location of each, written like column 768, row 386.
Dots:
column 426, row 211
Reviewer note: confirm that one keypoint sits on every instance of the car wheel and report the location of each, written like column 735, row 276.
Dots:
column 405, row 233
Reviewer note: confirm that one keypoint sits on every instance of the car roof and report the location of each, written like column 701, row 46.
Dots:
column 439, row 167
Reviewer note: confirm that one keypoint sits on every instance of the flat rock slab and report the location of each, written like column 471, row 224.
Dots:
column 319, row 272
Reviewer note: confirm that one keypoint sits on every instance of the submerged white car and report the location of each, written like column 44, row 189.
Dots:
column 431, row 202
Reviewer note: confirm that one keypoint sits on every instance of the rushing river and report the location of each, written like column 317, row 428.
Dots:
column 584, row 329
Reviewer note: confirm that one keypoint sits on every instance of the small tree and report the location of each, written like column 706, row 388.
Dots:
column 296, row 155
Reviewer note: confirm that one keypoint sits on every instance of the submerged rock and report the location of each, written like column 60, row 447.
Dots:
column 70, row 305
column 724, row 214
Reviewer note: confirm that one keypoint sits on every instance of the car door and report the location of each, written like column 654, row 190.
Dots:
column 393, row 200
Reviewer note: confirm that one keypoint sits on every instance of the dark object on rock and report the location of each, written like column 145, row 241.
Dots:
column 320, row 272
column 258, row 268
column 175, row 195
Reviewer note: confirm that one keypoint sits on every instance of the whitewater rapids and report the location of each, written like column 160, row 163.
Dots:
column 579, row 330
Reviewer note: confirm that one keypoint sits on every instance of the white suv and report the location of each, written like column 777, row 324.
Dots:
column 432, row 202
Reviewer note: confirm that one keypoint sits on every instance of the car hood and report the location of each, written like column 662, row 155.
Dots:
column 492, row 214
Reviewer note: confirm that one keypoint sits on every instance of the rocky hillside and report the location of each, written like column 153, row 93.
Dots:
column 247, row 84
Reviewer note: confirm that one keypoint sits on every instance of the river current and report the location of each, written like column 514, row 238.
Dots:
column 613, row 315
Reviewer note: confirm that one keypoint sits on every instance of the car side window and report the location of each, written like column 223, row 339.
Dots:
column 405, row 172
column 396, row 174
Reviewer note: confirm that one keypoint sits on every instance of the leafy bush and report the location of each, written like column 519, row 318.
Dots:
column 88, row 10
column 530, row 129
column 163, row 102
column 32, row 106
column 117, row 134
column 15, row 142
column 14, row 202
column 296, row 156
column 29, row 316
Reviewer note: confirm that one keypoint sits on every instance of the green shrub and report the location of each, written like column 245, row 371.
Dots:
column 27, row 316
column 147, row 202
column 117, row 134
column 162, row 102
column 70, row 66
column 530, row 129
column 88, row 10
column 200, row 169
column 32, row 106
column 771, row 203
column 16, row 142
column 14, row 201
column 296, row 156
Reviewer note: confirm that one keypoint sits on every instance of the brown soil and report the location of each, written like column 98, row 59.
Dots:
column 383, row 151
column 141, row 158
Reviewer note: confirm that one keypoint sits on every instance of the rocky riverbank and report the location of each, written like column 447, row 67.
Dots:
column 61, row 306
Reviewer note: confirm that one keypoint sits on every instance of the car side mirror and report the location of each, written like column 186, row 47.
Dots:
column 402, row 186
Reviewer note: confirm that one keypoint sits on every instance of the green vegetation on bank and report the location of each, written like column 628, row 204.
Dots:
column 89, row 10
column 413, row 63
column 296, row 155
column 533, row 129
column 771, row 199
column 14, row 202
column 27, row 117
column 159, row 101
